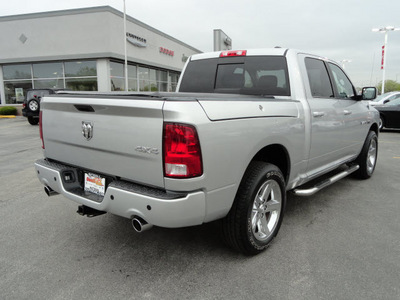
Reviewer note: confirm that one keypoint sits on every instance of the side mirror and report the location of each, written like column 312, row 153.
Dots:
column 386, row 101
column 369, row 93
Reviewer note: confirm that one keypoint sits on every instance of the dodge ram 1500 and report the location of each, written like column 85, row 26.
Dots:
column 242, row 130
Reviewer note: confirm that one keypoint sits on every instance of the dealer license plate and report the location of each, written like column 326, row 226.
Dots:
column 95, row 184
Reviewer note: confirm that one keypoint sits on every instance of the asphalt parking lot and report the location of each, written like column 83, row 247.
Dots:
column 342, row 243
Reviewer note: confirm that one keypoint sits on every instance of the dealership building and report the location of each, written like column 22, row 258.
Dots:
column 84, row 50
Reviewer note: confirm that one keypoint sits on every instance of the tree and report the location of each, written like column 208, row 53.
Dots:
column 390, row 86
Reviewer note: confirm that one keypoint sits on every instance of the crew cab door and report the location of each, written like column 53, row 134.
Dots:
column 354, row 112
column 326, row 117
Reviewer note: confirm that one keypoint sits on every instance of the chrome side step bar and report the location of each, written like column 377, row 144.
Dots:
column 327, row 182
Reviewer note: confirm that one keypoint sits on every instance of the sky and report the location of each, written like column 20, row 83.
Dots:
column 340, row 30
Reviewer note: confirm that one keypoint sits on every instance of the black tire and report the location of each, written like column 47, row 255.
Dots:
column 244, row 227
column 33, row 120
column 33, row 105
column 368, row 157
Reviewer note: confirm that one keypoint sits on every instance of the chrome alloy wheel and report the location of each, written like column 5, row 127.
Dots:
column 266, row 210
column 371, row 157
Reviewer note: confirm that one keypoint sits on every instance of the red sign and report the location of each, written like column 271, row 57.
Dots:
column 383, row 57
column 166, row 51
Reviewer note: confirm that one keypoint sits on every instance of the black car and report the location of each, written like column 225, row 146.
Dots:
column 390, row 114
column 31, row 105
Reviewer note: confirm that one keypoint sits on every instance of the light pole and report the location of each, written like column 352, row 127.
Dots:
column 344, row 61
column 125, row 50
column 384, row 50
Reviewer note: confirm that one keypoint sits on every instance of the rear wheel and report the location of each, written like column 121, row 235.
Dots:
column 256, row 215
column 33, row 121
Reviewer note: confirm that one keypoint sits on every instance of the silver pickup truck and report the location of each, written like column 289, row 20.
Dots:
column 243, row 129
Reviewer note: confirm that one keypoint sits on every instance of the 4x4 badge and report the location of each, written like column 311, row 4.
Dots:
column 87, row 130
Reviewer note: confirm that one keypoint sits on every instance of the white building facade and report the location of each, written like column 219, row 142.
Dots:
column 83, row 49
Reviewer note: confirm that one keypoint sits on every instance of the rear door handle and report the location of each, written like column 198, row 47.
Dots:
column 318, row 114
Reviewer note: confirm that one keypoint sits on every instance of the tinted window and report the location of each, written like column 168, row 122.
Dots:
column 199, row 76
column 80, row 68
column 48, row 70
column 17, row 72
column 393, row 102
column 254, row 75
column 343, row 85
column 37, row 94
column 318, row 77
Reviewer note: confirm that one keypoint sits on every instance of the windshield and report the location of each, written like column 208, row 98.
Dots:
column 253, row 75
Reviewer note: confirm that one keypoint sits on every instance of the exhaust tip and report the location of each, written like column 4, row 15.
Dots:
column 140, row 225
column 49, row 192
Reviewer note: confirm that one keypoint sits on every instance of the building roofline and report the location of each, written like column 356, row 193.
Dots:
column 95, row 9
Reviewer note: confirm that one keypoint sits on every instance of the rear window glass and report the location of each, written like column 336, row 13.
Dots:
column 37, row 93
column 254, row 75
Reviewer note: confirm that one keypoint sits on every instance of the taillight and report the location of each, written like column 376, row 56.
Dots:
column 233, row 53
column 182, row 154
column 41, row 128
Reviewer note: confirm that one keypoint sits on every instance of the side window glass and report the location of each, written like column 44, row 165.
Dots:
column 342, row 83
column 318, row 77
column 394, row 102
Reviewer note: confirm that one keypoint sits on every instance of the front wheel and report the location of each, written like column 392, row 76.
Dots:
column 256, row 215
column 368, row 156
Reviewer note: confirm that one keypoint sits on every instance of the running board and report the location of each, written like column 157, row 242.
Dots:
column 327, row 182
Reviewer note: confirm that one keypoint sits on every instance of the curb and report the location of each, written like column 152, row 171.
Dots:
column 7, row 117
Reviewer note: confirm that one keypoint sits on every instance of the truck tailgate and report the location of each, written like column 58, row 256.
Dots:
column 115, row 136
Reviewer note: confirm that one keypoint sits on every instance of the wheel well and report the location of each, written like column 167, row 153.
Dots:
column 277, row 155
column 375, row 128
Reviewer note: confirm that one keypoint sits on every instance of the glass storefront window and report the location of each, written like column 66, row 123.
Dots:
column 144, row 83
column 81, row 84
column 153, row 76
column 78, row 75
column 132, row 72
column 15, row 91
column 174, row 77
column 162, row 80
column 117, row 76
column 143, row 73
column 116, row 69
column 80, row 68
column 163, row 86
column 162, row 75
column 49, row 83
column 141, row 78
column 48, row 70
column 117, row 84
column 132, row 83
column 17, row 72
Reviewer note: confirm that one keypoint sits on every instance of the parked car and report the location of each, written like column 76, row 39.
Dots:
column 390, row 114
column 31, row 104
column 385, row 98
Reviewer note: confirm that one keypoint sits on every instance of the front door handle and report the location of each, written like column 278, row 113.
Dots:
column 347, row 112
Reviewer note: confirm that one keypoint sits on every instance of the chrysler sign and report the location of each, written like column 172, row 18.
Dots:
column 136, row 40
